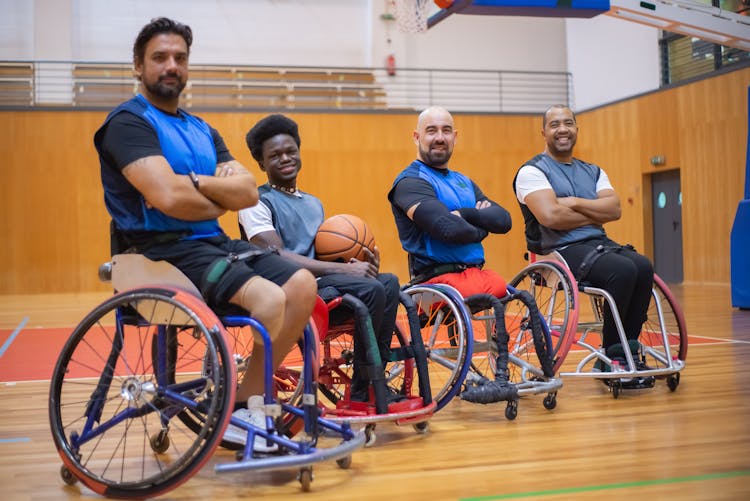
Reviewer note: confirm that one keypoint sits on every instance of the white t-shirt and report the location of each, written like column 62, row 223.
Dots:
column 256, row 219
column 531, row 179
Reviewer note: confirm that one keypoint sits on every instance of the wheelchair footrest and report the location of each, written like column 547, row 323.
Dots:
column 490, row 392
column 633, row 383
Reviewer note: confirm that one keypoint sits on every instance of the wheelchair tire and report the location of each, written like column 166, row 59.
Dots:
column 108, row 398
column 446, row 330
column 556, row 295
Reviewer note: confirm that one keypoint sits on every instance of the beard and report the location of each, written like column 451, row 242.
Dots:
column 165, row 91
column 435, row 158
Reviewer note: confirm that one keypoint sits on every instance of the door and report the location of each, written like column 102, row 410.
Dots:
column 667, row 204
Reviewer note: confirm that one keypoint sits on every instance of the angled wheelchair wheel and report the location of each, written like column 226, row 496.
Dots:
column 445, row 326
column 556, row 295
column 337, row 364
column 133, row 373
column 665, row 318
column 528, row 344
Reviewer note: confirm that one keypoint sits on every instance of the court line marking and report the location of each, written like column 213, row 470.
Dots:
column 14, row 440
column 13, row 335
column 620, row 485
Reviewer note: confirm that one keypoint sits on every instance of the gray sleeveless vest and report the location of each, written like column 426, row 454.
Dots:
column 577, row 179
column 296, row 219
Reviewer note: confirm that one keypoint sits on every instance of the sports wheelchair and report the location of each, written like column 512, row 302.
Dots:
column 399, row 391
column 145, row 386
column 663, row 339
column 479, row 340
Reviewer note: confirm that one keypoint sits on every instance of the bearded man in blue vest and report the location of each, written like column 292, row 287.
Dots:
column 442, row 217
column 167, row 177
column 566, row 202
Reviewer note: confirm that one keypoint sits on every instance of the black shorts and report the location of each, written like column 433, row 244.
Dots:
column 193, row 258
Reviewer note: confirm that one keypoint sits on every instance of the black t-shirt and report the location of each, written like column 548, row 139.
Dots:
column 128, row 138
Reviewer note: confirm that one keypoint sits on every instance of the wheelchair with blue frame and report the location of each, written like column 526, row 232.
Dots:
column 659, row 353
column 484, row 348
column 145, row 386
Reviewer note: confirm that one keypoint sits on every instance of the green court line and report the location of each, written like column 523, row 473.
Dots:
column 606, row 487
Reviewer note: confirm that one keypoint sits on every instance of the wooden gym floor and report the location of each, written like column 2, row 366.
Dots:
column 693, row 444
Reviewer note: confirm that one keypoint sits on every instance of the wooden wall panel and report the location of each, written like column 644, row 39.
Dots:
column 56, row 227
column 713, row 131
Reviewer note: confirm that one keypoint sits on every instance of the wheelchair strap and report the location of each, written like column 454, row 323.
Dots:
column 216, row 269
column 440, row 269
column 594, row 254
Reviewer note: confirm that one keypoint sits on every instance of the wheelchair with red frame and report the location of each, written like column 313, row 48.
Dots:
column 399, row 390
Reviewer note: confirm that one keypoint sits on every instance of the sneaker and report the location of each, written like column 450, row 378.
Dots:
column 254, row 415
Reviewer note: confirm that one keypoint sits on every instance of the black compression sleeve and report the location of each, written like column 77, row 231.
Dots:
column 494, row 218
column 434, row 218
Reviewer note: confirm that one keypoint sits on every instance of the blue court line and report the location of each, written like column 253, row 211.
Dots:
column 13, row 440
column 606, row 487
column 13, row 335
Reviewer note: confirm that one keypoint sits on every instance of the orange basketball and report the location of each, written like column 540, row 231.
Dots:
column 444, row 4
column 343, row 237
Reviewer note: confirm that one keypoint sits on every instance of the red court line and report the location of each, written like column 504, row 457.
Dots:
column 33, row 354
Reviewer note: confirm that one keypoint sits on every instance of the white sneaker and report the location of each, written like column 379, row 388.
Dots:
column 254, row 415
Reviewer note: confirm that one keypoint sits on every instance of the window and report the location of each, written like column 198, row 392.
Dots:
column 685, row 57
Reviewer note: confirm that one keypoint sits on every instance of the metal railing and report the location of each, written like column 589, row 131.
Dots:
column 86, row 85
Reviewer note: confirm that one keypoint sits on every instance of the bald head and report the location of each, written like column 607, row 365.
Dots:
column 435, row 137
column 433, row 113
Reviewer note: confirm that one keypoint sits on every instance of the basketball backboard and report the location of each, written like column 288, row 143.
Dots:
column 530, row 8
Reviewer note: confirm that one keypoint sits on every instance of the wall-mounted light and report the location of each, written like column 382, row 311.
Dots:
column 658, row 160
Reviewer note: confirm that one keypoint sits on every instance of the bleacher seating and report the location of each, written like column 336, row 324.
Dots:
column 16, row 84
column 231, row 87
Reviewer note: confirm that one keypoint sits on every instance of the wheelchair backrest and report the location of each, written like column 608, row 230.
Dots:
column 136, row 270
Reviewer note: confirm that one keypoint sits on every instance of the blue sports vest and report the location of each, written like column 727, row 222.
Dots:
column 296, row 219
column 577, row 179
column 187, row 145
column 455, row 191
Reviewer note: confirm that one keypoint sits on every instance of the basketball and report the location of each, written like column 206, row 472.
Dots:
column 444, row 4
column 343, row 237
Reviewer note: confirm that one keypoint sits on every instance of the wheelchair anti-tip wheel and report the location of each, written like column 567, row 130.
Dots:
column 141, row 393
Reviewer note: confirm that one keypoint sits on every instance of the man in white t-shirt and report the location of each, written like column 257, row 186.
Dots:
column 565, row 203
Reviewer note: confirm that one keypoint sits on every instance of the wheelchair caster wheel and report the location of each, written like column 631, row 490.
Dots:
column 616, row 386
column 370, row 436
column 511, row 410
column 550, row 401
column 344, row 463
column 305, row 478
column 422, row 427
column 67, row 476
column 160, row 442
column 673, row 381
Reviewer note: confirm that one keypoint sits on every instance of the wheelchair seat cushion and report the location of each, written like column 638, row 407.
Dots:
column 473, row 281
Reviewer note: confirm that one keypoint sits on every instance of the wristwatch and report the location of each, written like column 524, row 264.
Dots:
column 194, row 179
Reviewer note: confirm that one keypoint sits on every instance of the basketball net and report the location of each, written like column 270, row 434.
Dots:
column 411, row 15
